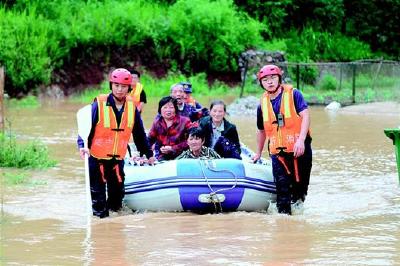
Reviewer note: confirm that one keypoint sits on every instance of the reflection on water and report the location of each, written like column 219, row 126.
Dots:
column 351, row 215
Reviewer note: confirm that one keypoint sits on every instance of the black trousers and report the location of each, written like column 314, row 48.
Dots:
column 106, row 185
column 287, row 188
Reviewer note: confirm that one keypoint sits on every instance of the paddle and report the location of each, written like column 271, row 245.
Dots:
column 84, row 119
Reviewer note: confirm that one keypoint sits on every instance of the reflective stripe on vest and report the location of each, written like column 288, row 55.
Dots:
column 110, row 140
column 135, row 93
column 281, row 138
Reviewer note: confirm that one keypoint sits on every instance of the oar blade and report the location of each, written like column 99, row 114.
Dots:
column 84, row 119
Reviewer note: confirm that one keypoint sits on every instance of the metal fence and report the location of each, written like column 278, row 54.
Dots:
column 348, row 83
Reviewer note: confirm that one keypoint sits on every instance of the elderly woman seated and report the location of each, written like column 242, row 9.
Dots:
column 196, row 149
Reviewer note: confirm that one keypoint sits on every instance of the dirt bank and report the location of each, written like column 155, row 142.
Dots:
column 88, row 66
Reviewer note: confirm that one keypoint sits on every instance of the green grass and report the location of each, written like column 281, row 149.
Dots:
column 161, row 87
column 26, row 102
column 17, row 178
column 33, row 154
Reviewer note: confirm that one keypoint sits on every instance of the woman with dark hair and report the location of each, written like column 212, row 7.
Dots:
column 197, row 149
column 169, row 130
column 220, row 134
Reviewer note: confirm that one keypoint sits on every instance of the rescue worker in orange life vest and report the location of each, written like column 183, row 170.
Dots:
column 114, row 119
column 137, row 92
column 283, row 119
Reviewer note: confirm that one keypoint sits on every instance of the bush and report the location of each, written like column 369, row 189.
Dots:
column 308, row 74
column 30, row 155
column 209, row 35
column 328, row 83
column 194, row 36
column 308, row 44
column 25, row 47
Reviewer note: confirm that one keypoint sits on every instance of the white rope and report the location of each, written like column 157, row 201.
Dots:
column 213, row 195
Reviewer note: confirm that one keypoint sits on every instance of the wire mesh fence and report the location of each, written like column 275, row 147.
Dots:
column 345, row 82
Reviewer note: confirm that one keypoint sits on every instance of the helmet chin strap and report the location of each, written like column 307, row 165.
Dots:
column 272, row 92
column 120, row 100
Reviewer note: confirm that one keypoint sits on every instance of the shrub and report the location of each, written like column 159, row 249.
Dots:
column 210, row 34
column 328, row 83
column 24, row 48
column 30, row 155
column 309, row 44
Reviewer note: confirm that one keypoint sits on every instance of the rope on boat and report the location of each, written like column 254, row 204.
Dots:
column 213, row 194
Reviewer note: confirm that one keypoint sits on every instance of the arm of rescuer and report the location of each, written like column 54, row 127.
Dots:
column 261, row 137
column 298, row 148
column 140, row 139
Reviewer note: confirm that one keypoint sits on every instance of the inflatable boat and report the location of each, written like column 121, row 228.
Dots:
column 202, row 186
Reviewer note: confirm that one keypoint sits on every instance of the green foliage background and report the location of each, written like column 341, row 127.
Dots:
column 190, row 36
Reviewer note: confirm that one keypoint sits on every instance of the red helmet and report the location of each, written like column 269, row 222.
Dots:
column 269, row 70
column 121, row 76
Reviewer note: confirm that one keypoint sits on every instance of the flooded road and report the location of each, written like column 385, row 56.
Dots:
column 351, row 215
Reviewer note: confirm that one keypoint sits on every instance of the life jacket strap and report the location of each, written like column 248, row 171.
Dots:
column 282, row 160
column 102, row 176
column 296, row 170
column 117, row 172
column 296, row 167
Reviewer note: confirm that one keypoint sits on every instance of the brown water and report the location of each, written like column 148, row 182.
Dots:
column 351, row 216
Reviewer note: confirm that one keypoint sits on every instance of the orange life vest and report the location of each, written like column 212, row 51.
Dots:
column 110, row 140
column 135, row 93
column 281, row 138
column 191, row 101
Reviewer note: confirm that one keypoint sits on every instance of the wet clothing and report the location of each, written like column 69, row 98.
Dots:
column 205, row 153
column 288, row 190
column 283, row 164
column 107, row 176
column 226, row 142
column 174, row 136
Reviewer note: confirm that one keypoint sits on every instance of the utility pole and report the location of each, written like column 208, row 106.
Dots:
column 2, row 99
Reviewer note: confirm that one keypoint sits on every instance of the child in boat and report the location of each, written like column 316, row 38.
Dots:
column 197, row 150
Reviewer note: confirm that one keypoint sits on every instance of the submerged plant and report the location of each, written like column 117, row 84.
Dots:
column 33, row 154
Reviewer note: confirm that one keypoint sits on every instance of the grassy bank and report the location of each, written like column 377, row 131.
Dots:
column 161, row 87
column 27, row 155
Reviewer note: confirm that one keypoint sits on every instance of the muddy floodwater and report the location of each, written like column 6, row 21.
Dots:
column 351, row 215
